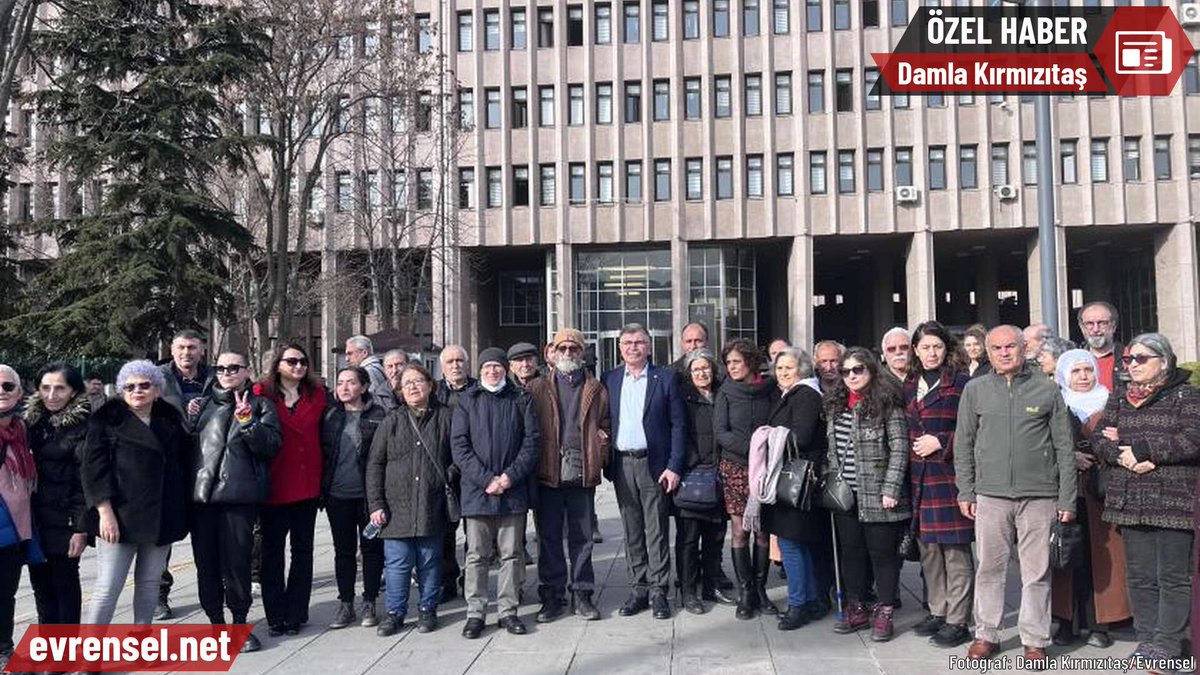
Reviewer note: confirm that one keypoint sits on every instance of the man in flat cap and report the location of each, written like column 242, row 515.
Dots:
column 523, row 364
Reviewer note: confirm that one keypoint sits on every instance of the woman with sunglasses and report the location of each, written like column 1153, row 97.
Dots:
column 237, row 436
column 135, row 483
column 291, row 507
column 742, row 405
column 1148, row 434
column 346, row 434
column 56, row 415
column 17, row 478
column 1091, row 594
column 944, row 535
column 867, row 436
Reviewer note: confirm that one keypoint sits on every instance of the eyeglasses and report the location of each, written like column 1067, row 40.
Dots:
column 1142, row 359
column 702, row 369
column 568, row 348
column 897, row 348
column 293, row 361
column 231, row 369
column 854, row 370
column 137, row 386
column 8, row 387
column 633, row 343
column 412, row 384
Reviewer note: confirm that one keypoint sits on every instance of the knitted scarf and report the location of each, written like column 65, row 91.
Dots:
column 768, row 446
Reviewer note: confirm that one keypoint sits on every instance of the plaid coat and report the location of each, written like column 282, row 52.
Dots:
column 935, row 496
column 881, row 462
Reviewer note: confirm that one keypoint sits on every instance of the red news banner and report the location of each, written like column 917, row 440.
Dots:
column 128, row 648
column 1129, row 51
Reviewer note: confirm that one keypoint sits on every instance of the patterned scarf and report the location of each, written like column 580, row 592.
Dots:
column 1136, row 393
column 18, row 476
column 855, row 397
column 17, row 457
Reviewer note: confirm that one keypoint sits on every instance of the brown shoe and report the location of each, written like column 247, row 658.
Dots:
column 982, row 649
column 1035, row 658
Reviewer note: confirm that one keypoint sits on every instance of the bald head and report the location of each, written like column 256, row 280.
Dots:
column 1006, row 349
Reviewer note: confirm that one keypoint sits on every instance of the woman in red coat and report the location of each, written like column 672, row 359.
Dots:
column 291, row 508
column 945, row 535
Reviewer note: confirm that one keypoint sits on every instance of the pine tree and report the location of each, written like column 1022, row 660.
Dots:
column 135, row 101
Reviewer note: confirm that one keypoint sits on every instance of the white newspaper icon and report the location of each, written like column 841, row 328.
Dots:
column 1143, row 53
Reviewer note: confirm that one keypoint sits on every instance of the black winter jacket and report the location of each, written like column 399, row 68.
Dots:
column 332, row 425
column 740, row 408
column 401, row 479
column 229, row 461
column 56, row 440
column 495, row 434
column 140, row 469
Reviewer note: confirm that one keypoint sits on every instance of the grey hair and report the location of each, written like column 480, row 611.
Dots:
column 631, row 328
column 804, row 364
column 143, row 369
column 11, row 372
column 396, row 352
column 465, row 355
column 362, row 342
column 896, row 330
column 697, row 354
column 841, row 348
column 1057, row 346
column 1159, row 344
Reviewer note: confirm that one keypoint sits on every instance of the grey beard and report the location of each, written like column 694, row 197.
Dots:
column 567, row 365
column 1098, row 341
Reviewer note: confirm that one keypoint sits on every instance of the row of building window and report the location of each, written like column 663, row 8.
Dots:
column 605, row 180
column 628, row 25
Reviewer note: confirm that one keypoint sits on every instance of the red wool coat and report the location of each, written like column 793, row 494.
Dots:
column 935, row 496
column 296, row 470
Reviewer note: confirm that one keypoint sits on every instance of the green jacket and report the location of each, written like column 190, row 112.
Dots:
column 1013, row 440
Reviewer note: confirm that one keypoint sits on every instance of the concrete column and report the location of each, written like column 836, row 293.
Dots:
column 565, row 264
column 920, row 290
column 1177, row 284
column 1035, row 280
column 800, row 291
column 680, row 284
column 881, row 290
column 448, row 301
column 988, row 283
column 329, row 317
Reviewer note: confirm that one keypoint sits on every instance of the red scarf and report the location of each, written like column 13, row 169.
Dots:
column 17, row 456
column 1136, row 393
column 855, row 397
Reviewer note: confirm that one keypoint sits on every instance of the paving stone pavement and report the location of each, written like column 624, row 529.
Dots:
column 713, row 643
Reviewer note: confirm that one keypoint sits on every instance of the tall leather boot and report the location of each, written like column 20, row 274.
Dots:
column 745, row 580
column 762, row 568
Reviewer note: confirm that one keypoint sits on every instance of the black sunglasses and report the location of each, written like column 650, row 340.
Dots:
column 293, row 361
column 8, row 387
column 857, row 370
column 231, row 369
column 1142, row 359
column 139, row 386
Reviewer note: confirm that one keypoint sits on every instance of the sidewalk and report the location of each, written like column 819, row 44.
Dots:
column 686, row 645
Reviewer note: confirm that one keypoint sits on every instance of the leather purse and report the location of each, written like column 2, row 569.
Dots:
column 699, row 489
column 836, row 493
column 797, row 479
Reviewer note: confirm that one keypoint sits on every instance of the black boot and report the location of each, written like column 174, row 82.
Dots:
column 762, row 568
column 745, row 579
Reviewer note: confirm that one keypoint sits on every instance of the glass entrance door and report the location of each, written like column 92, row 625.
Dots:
column 608, row 349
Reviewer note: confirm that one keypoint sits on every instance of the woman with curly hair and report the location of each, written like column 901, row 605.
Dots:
column 867, row 436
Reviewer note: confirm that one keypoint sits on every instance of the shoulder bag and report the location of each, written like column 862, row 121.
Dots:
column 699, row 489
column 797, row 479
column 453, row 508
column 836, row 493
column 1066, row 545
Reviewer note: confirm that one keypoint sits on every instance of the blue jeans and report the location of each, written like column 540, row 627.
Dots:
column 801, row 580
column 399, row 558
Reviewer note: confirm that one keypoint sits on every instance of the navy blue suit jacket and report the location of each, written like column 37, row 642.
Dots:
column 664, row 418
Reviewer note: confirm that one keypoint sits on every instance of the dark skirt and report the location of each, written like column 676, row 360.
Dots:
column 735, row 480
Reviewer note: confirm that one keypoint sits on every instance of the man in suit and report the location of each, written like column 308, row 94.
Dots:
column 648, row 421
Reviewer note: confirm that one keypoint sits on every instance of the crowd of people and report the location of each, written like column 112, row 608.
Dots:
column 951, row 451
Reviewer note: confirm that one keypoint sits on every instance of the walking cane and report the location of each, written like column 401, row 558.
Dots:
column 837, row 571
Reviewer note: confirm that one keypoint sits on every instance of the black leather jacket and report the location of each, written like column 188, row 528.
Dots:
column 229, row 465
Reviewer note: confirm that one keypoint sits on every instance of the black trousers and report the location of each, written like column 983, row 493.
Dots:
column 56, row 589
column 12, row 558
column 450, row 567
column 347, row 518
column 698, row 547
column 869, row 547
column 287, row 603
column 571, row 508
column 222, row 542
column 1158, row 569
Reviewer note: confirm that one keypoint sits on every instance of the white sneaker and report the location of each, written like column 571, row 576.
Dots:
column 256, row 589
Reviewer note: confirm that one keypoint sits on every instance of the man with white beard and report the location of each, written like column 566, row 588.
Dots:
column 571, row 407
column 1098, row 323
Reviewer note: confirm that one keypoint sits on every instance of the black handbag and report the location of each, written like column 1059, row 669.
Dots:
column 797, row 479
column 1066, row 545
column 836, row 493
column 699, row 489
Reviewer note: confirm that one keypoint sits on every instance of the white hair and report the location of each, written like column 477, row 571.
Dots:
column 896, row 330
column 12, row 373
column 361, row 342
